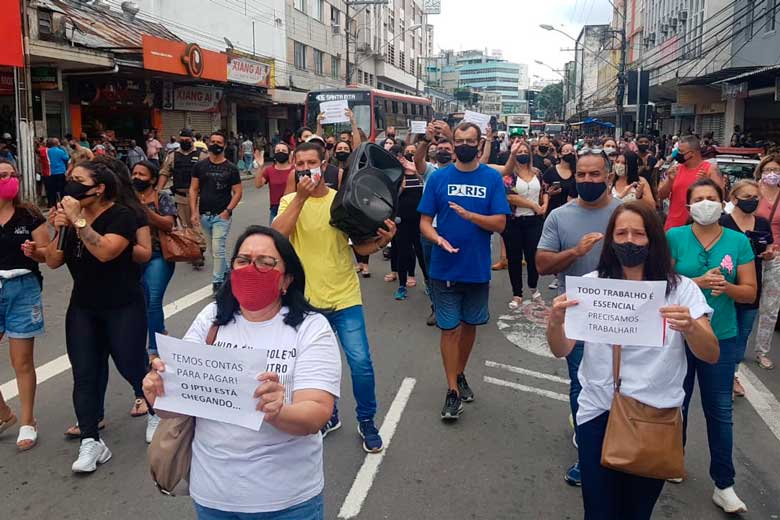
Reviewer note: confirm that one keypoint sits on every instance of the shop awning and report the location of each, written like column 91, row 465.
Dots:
column 750, row 74
column 718, row 76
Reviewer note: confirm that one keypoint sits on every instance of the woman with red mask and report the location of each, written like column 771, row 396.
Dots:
column 260, row 306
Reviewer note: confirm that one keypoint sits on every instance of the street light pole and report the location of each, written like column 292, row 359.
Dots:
column 621, row 87
column 348, row 23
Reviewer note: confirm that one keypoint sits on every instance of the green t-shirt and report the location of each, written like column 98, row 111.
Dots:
column 691, row 260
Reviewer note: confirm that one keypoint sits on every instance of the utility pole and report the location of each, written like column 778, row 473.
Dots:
column 621, row 87
column 24, row 115
column 348, row 24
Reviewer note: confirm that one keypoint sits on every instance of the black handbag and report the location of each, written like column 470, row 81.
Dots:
column 368, row 194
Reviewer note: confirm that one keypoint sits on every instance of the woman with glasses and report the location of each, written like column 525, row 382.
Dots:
column 720, row 262
column 276, row 472
column 743, row 219
column 768, row 176
column 627, row 184
column 23, row 241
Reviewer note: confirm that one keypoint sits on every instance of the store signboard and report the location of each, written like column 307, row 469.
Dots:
column 185, row 59
column 711, row 108
column 250, row 72
column 197, row 99
column 6, row 82
column 734, row 90
column 11, row 51
column 680, row 109
column 277, row 112
column 45, row 78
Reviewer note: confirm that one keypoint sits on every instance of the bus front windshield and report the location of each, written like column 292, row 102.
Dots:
column 359, row 103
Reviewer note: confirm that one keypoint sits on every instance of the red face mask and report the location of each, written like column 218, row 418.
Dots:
column 254, row 289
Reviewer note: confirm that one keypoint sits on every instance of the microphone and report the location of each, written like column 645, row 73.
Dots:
column 62, row 230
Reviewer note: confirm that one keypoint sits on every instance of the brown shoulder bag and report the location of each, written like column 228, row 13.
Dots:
column 640, row 439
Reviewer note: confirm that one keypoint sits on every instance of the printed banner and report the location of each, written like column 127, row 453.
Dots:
column 249, row 72
column 197, row 99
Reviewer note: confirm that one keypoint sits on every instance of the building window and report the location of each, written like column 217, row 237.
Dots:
column 319, row 62
column 371, row 79
column 335, row 67
column 300, row 56
column 391, row 54
column 335, row 17
column 317, row 8
column 402, row 60
column 300, row 5
column 771, row 15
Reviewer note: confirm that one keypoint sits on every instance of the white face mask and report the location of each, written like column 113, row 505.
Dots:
column 706, row 212
column 619, row 169
column 608, row 150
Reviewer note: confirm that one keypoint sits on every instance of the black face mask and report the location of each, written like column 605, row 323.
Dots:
column 140, row 185
column 391, row 136
column 643, row 147
column 409, row 157
column 466, row 152
column 570, row 160
column 216, row 149
column 523, row 159
column 748, row 205
column 73, row 146
column 544, row 149
column 342, row 156
column 443, row 157
column 680, row 157
column 630, row 254
column 186, row 146
column 281, row 157
column 591, row 191
column 329, row 146
column 77, row 190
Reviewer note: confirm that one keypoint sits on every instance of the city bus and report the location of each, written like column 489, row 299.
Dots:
column 374, row 110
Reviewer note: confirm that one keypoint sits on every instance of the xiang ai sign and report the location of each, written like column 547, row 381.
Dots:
column 249, row 72
column 197, row 99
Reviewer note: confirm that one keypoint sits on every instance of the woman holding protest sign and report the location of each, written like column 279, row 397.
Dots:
column 720, row 262
column 634, row 249
column 278, row 470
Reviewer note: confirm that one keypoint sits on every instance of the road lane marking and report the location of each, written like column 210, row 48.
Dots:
column 529, row 389
column 367, row 473
column 763, row 401
column 526, row 372
column 62, row 363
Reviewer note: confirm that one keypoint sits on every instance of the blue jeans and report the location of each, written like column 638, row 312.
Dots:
column 274, row 212
column 21, row 310
column 716, row 383
column 216, row 231
column 745, row 320
column 350, row 327
column 312, row 509
column 573, row 361
column 608, row 494
column 157, row 274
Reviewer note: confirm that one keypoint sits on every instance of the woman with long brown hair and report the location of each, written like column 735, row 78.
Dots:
column 23, row 239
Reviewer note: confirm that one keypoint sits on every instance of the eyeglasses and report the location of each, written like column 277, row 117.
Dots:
column 263, row 263
column 771, row 170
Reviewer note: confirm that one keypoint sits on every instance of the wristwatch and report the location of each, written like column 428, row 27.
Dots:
column 80, row 223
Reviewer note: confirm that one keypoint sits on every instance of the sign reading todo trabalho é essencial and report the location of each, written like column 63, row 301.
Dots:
column 616, row 312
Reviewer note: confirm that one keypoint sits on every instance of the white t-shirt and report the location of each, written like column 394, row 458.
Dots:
column 240, row 470
column 528, row 190
column 247, row 147
column 653, row 376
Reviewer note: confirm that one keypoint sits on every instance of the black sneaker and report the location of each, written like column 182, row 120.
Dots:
column 453, row 407
column 431, row 321
column 466, row 395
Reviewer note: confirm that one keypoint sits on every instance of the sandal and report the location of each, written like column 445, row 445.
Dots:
column 139, row 408
column 391, row 277
column 411, row 282
column 8, row 421
column 764, row 362
column 28, row 437
column 74, row 432
column 365, row 274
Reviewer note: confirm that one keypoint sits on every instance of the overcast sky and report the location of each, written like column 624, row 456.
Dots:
column 513, row 27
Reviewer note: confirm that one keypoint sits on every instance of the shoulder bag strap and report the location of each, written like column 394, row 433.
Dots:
column 774, row 209
column 212, row 334
column 616, row 368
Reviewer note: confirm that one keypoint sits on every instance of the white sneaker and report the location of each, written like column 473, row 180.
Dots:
column 152, row 422
column 515, row 304
column 91, row 453
column 574, row 440
column 676, row 480
column 553, row 285
column 728, row 500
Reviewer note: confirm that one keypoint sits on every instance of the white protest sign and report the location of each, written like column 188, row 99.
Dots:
column 211, row 382
column 418, row 127
column 335, row 111
column 616, row 312
column 481, row 120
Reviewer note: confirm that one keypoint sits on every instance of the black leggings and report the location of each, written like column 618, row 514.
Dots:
column 91, row 335
column 521, row 237
column 54, row 184
column 406, row 244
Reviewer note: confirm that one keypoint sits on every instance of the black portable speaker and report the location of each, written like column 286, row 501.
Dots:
column 368, row 193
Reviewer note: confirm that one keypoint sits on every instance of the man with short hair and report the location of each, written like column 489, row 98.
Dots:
column 331, row 280
column 215, row 191
column 247, row 153
column 571, row 245
column 153, row 147
column 199, row 144
column 134, row 154
column 543, row 157
column 468, row 200
column 689, row 168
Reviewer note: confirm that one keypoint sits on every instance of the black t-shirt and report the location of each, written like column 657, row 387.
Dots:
column 13, row 234
column 538, row 162
column 764, row 230
column 331, row 177
column 647, row 170
column 410, row 197
column 216, row 184
column 568, row 188
column 105, row 285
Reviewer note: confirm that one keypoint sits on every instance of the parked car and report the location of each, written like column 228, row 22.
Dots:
column 737, row 163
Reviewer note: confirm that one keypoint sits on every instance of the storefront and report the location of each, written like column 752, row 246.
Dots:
column 185, row 106
column 710, row 119
column 247, row 95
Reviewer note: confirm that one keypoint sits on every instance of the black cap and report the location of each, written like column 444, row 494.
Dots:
column 186, row 132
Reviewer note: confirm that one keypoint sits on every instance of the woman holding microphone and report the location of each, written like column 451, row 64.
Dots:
column 634, row 249
column 276, row 472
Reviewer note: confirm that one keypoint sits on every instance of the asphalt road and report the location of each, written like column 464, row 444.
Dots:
column 504, row 459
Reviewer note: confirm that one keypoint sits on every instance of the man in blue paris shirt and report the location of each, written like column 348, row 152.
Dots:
column 468, row 200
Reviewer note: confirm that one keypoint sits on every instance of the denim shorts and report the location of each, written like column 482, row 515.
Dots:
column 21, row 310
column 456, row 302
column 312, row 509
